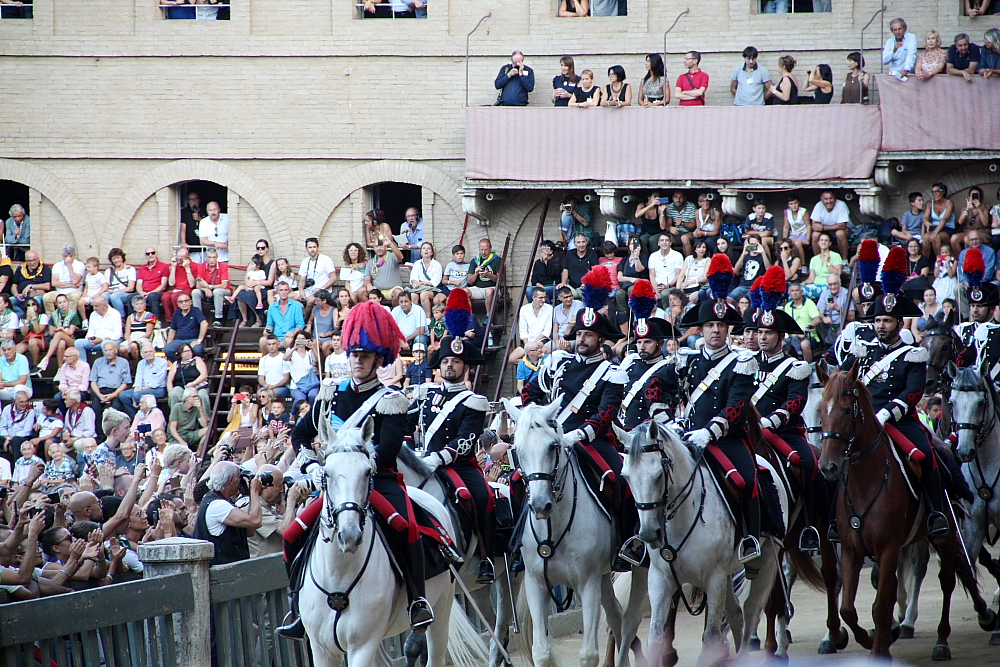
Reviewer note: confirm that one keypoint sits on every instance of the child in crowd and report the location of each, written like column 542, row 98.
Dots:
column 255, row 272
column 797, row 225
column 456, row 275
column 945, row 276
column 283, row 269
column 23, row 464
column 277, row 420
column 336, row 366
column 417, row 372
column 438, row 329
column 611, row 260
column 913, row 220
column 760, row 223
column 94, row 283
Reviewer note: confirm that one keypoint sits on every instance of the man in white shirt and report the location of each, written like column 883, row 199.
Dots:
column 664, row 267
column 17, row 423
column 266, row 540
column 67, row 277
column 273, row 372
column 830, row 215
column 220, row 521
column 412, row 321
column 900, row 52
column 316, row 272
column 214, row 232
column 105, row 324
column 534, row 324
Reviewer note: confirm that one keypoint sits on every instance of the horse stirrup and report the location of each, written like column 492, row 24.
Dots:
column 809, row 539
column 421, row 614
column 633, row 551
column 749, row 549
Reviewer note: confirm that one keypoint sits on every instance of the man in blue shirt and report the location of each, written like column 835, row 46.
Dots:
column 110, row 376
column 284, row 319
column 751, row 82
column 13, row 372
column 188, row 325
column 963, row 57
column 150, row 378
column 414, row 230
column 514, row 81
column 974, row 239
column 900, row 52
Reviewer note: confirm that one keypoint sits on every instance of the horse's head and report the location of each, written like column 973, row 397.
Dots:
column 846, row 406
column 347, row 483
column 942, row 347
column 971, row 402
column 651, row 452
column 540, row 452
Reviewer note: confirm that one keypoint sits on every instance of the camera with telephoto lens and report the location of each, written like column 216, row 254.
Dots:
column 246, row 474
column 266, row 479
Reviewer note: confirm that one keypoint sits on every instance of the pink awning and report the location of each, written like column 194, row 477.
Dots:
column 941, row 114
column 797, row 143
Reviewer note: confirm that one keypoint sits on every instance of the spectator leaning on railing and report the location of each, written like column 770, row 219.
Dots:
column 514, row 81
column 900, row 51
column 989, row 65
column 963, row 57
column 17, row 232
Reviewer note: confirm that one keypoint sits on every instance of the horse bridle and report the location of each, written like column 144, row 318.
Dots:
column 853, row 458
column 332, row 512
column 984, row 492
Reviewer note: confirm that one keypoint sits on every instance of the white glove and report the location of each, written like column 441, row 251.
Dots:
column 433, row 461
column 770, row 423
column 573, row 437
column 883, row 416
column 702, row 437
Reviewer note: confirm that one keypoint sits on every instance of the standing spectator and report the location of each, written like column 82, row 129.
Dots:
column 974, row 8
column 631, row 269
column 382, row 270
column 939, row 221
column 425, row 277
column 787, row 90
column 564, row 316
column 413, row 228
column 220, row 521
column 546, row 272
column 73, row 373
column 484, row 270
column 456, row 275
column 412, row 321
column 213, row 231
column 188, row 372
column 751, row 82
column 577, row 263
column 855, row 90
column 806, row 315
column 151, row 280
column 273, row 372
column 654, row 91
column 571, row 9
column 417, row 371
column 693, row 84
column 324, row 316
column 188, row 422
column 933, row 59
column 514, row 81
column 80, row 421
column 587, row 94
column 105, row 324
column 109, row 377
column 753, row 262
column 665, row 267
column 150, row 380
column 17, row 233
column 180, row 280
column 95, row 283
column 121, row 279
column 267, row 539
column 191, row 216
column 17, row 424
column 820, row 84
column 617, row 93
column 776, row 6
column 963, row 57
column 680, row 216
column 211, row 281
column 832, row 216
column 376, row 229
column 284, row 318
column 303, row 363
column 989, row 66
column 900, row 51
column 564, row 84
column 575, row 217
column 31, row 281
column 604, row 8
column 316, row 272
column 67, row 278
column 188, row 325
column 797, row 224
column 824, row 263
column 534, row 325
column 761, row 224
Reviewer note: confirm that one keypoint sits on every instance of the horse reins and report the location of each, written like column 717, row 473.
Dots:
column 984, row 492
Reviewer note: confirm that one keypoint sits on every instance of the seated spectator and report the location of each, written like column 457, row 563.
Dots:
column 150, row 379
column 654, row 222
column 188, row 325
column 417, row 371
column 67, row 278
column 436, row 327
column 323, row 322
column 534, row 324
column 546, row 272
column 833, row 303
column 147, row 415
column 284, row 318
column 188, row 372
column 989, row 66
column 382, row 270
column 694, row 275
column 484, row 270
column 654, row 91
column 530, row 364
column 22, row 466
column 631, row 269
column 570, row 9
column 127, row 458
column 272, row 369
column 575, row 218
column 974, row 239
column 80, row 421
column 963, row 57
column 806, row 315
column 151, row 280
column 693, row 84
column 751, row 82
column 820, row 84
column 681, row 218
column 975, row 214
column 939, row 221
column 188, row 420
column 787, row 90
column 13, row 372
column 752, row 264
column 425, row 277
column 138, row 329
column 760, row 223
column 253, row 282
column 74, row 373
column 832, row 216
column 95, row 283
column 303, row 367
column 49, row 426
column 564, row 84
column 617, row 93
column 900, row 51
column 121, row 279
column 789, row 262
column 708, row 225
column 610, row 260
column 277, row 421
column 31, row 281
column 17, row 423
column 335, row 366
column 946, row 275
column 824, row 263
column 911, row 225
column 213, row 230
column 797, row 226
column 665, row 267
column 455, row 276
column 411, row 320
column 105, row 325
column 180, row 281
column 283, row 273
column 10, row 323
column 514, row 81
column 855, row 90
column 352, row 272
column 564, row 316
column 577, row 263
column 109, row 377
column 933, row 59
column 342, row 306
column 392, row 375
column 974, row 8
column 587, row 94
column 212, row 281
column 33, row 334
column 17, row 233
column 930, row 314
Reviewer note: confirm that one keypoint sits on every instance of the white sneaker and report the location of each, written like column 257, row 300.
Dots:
column 43, row 364
column 85, row 325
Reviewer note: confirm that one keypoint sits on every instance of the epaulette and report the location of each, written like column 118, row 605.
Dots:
column 917, row 355
column 616, row 375
column 800, row 370
column 393, row 403
column 629, row 359
column 684, row 356
column 477, row 402
column 858, row 349
column 746, row 363
column 558, row 357
column 907, row 337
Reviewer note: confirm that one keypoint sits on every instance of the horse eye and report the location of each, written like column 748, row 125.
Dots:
column 553, row 446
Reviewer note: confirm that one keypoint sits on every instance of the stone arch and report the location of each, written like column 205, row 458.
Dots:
column 969, row 175
column 177, row 171
column 56, row 192
column 369, row 173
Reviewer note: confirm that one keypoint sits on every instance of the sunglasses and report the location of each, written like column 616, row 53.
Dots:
column 262, row 247
column 150, row 254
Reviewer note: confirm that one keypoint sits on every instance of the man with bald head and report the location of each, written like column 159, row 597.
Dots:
column 31, row 281
column 85, row 506
column 266, row 539
column 105, row 324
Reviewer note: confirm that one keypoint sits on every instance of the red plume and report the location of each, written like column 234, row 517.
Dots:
column 643, row 288
column 869, row 251
column 459, row 299
column 896, row 261
column 756, row 284
column 598, row 278
column 974, row 261
column 720, row 264
column 773, row 280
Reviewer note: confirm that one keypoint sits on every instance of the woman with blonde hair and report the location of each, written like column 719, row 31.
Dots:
column 587, row 94
column 932, row 60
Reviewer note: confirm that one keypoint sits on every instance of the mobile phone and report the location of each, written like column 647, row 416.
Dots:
column 53, row 498
column 240, row 397
column 830, row 300
column 122, row 541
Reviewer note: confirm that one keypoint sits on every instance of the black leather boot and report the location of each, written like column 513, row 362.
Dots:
column 421, row 614
column 749, row 548
column 516, row 562
column 937, row 522
column 293, row 628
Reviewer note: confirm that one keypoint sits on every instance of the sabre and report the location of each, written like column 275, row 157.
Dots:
column 489, row 628
column 510, row 590
column 958, row 535
column 784, row 583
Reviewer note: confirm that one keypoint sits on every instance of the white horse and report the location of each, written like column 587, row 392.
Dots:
column 568, row 539
column 810, row 413
column 683, row 517
column 498, row 609
column 350, row 565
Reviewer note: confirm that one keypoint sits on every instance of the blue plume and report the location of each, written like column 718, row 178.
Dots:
column 457, row 321
column 720, row 284
column 769, row 300
column 755, row 298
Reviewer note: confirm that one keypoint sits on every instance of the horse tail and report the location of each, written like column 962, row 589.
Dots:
column 622, row 582
column 466, row 647
column 804, row 565
column 966, row 571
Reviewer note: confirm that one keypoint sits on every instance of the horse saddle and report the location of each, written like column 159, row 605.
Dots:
column 601, row 480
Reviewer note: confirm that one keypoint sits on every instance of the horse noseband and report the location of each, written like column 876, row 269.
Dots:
column 967, row 427
column 540, row 477
column 834, row 435
column 656, row 504
column 350, row 506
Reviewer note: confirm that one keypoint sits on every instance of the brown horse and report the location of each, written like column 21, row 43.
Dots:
column 943, row 346
column 877, row 515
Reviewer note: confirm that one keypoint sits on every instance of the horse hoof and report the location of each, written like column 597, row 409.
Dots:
column 896, row 631
column 905, row 632
column 995, row 639
column 989, row 621
column 842, row 644
column 755, row 643
column 941, row 652
column 826, row 647
column 669, row 660
column 779, row 660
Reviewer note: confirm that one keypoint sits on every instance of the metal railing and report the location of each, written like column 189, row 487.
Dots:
column 230, row 367
column 499, row 293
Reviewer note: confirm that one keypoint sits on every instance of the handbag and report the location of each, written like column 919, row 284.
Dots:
column 307, row 382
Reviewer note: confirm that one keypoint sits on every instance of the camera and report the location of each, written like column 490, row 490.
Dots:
column 309, row 283
column 246, row 474
column 830, row 300
column 227, row 453
column 266, row 479
column 143, row 429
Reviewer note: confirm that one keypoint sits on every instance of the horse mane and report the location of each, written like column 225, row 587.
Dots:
column 968, row 379
column 349, row 441
column 840, row 381
column 413, row 461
